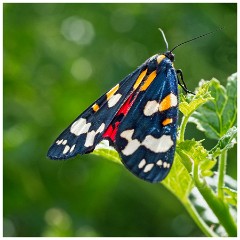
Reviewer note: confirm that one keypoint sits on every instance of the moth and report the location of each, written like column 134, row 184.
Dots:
column 138, row 116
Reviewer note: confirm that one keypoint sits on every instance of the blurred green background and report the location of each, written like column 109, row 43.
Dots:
column 59, row 58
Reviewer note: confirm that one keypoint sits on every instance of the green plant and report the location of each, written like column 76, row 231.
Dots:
column 206, row 194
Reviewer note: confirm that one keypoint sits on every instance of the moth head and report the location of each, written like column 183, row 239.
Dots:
column 170, row 55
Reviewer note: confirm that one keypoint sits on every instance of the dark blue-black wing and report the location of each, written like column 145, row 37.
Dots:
column 146, row 136
column 86, row 131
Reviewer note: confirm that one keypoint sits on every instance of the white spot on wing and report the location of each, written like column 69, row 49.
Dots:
column 148, row 167
column 114, row 99
column 66, row 149
column 132, row 145
column 159, row 162
column 90, row 139
column 80, row 126
column 127, row 134
column 101, row 128
column 157, row 145
column 174, row 100
column 150, row 108
column 58, row 142
column 91, row 135
column 64, row 142
column 72, row 148
column 142, row 163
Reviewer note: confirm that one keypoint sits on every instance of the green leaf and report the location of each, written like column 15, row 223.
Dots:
column 189, row 103
column 178, row 181
column 104, row 150
column 225, row 142
column 191, row 150
column 219, row 114
column 230, row 196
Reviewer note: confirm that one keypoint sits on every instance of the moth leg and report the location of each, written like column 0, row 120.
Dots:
column 181, row 81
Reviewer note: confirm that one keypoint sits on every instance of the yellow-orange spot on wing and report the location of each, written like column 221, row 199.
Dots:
column 169, row 101
column 148, row 81
column 95, row 107
column 167, row 121
column 160, row 58
column 112, row 91
column 139, row 79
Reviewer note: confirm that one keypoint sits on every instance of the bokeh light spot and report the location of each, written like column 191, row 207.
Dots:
column 182, row 225
column 86, row 231
column 57, row 217
column 81, row 69
column 77, row 30
column 16, row 135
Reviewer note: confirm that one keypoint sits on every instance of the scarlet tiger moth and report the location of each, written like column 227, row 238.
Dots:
column 138, row 116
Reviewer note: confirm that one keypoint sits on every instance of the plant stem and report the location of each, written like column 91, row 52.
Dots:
column 198, row 220
column 219, row 208
column 221, row 173
column 182, row 128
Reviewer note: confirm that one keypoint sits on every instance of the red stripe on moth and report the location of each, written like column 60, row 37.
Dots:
column 111, row 131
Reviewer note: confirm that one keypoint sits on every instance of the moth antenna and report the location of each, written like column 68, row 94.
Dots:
column 164, row 38
column 203, row 35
